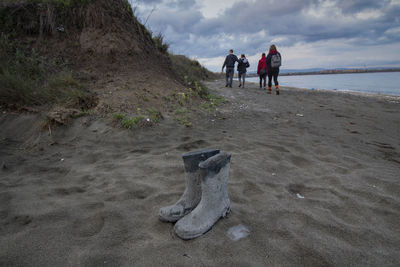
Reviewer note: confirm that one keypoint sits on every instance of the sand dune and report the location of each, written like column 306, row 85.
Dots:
column 315, row 177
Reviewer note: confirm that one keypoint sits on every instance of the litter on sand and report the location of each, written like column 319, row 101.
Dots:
column 299, row 196
column 299, row 115
column 238, row 232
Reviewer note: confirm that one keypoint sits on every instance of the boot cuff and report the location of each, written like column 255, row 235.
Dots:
column 192, row 159
column 215, row 163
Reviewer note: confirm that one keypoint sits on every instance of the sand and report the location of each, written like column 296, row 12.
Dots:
column 314, row 181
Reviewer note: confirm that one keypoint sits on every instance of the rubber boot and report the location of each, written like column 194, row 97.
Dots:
column 192, row 195
column 269, row 90
column 277, row 89
column 214, row 202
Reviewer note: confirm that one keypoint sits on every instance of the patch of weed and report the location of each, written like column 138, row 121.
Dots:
column 118, row 116
column 129, row 123
column 182, row 116
column 29, row 79
column 154, row 115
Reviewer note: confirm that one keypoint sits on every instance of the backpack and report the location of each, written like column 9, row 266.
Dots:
column 275, row 61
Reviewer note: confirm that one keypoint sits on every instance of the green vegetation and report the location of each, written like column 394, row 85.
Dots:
column 192, row 74
column 60, row 3
column 29, row 79
column 118, row 116
column 182, row 116
column 129, row 123
column 153, row 116
column 160, row 44
column 212, row 102
column 190, row 70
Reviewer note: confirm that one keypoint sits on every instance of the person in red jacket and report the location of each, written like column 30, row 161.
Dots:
column 262, row 70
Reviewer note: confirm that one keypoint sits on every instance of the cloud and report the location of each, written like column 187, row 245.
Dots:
column 250, row 26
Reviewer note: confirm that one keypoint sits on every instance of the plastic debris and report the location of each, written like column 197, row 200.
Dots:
column 299, row 115
column 238, row 232
column 299, row 196
column 148, row 120
column 60, row 28
column 61, row 159
column 273, row 174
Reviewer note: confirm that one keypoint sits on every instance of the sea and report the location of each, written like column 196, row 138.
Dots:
column 384, row 83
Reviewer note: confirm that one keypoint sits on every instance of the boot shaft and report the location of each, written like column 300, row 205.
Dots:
column 215, row 173
column 191, row 161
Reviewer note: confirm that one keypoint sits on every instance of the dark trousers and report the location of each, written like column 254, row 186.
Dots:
column 229, row 76
column 242, row 77
column 263, row 78
column 273, row 72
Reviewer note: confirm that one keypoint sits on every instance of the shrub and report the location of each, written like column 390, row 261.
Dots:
column 154, row 115
column 29, row 79
column 161, row 46
column 129, row 123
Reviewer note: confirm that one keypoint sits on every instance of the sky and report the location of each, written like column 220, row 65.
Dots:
column 308, row 33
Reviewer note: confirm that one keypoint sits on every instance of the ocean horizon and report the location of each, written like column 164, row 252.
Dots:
column 384, row 83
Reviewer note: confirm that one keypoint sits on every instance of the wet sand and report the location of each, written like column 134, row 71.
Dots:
column 315, row 177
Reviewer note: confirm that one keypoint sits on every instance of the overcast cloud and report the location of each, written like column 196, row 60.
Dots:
column 308, row 33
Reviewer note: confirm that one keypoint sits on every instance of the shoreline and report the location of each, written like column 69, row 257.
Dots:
column 369, row 94
column 372, row 95
column 331, row 72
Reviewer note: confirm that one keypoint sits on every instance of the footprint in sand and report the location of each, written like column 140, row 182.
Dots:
column 141, row 192
column 185, row 138
column 299, row 161
column 69, row 191
column 296, row 188
column 192, row 145
column 140, row 151
column 250, row 189
column 88, row 226
column 15, row 223
column 103, row 259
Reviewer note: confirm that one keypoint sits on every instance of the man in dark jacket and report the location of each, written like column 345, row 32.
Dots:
column 274, row 61
column 229, row 62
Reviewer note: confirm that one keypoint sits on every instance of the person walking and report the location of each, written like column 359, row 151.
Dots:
column 243, row 64
column 274, row 61
column 229, row 62
column 262, row 70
